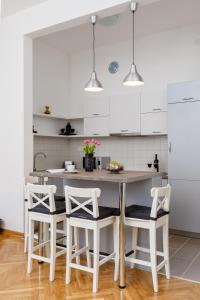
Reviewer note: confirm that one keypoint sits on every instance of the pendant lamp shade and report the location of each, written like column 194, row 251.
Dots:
column 93, row 85
column 133, row 78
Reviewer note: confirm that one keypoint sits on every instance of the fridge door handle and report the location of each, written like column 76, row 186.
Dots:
column 170, row 147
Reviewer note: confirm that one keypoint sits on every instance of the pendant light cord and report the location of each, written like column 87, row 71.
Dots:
column 93, row 46
column 133, row 12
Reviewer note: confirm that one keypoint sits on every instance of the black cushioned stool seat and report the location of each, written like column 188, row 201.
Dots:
column 104, row 212
column 60, row 208
column 142, row 212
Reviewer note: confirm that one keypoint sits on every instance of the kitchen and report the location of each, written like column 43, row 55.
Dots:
column 133, row 124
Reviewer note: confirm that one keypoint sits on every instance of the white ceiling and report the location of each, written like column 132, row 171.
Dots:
column 9, row 7
column 154, row 17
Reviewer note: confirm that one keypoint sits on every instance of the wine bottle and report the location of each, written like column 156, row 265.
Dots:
column 156, row 163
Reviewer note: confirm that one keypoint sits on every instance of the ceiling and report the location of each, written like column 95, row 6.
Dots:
column 152, row 18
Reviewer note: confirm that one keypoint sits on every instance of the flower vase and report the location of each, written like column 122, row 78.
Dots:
column 89, row 162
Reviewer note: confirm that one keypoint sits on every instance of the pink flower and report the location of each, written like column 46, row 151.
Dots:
column 86, row 142
column 98, row 143
column 93, row 141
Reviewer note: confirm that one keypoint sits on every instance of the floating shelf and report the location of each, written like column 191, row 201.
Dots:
column 40, row 115
column 67, row 137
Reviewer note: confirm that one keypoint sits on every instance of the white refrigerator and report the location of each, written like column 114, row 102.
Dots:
column 184, row 155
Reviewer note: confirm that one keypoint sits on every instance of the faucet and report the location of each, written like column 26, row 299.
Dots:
column 34, row 159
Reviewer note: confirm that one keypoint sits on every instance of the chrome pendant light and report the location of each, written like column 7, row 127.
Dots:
column 93, row 85
column 133, row 78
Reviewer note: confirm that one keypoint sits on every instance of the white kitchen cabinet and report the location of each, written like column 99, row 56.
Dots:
column 96, row 126
column 153, row 100
column 125, row 113
column 154, row 123
column 184, row 91
column 96, row 106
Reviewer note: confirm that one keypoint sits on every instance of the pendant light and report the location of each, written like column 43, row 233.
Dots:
column 133, row 78
column 93, row 85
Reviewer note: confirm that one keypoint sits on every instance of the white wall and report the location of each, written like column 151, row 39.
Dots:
column 169, row 56
column 35, row 21
column 51, row 70
column 12, row 6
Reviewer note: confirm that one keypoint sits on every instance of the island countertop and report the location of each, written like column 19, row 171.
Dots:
column 102, row 175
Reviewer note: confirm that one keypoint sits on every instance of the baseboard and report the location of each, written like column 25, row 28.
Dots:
column 189, row 234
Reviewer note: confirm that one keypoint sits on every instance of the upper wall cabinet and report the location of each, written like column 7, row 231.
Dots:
column 125, row 113
column 184, row 91
column 96, row 106
column 96, row 126
column 154, row 123
column 153, row 100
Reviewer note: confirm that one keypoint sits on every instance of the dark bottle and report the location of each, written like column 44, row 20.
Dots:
column 68, row 129
column 156, row 163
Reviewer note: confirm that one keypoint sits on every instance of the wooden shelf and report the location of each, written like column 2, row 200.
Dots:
column 40, row 115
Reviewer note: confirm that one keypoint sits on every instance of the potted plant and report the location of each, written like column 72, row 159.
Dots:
column 89, row 150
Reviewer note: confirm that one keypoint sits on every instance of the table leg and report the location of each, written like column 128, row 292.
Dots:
column 122, row 200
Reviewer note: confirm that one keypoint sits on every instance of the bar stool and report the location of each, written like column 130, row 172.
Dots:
column 90, row 216
column 151, row 218
column 33, row 180
column 42, row 207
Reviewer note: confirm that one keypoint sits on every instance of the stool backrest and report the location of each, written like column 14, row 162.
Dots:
column 74, row 195
column 29, row 179
column 161, row 199
column 42, row 195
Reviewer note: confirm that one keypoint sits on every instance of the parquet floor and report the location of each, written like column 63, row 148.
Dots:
column 15, row 283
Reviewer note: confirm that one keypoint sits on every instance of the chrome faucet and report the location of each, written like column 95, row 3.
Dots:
column 34, row 159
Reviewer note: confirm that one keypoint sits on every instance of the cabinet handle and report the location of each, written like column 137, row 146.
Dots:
column 95, row 133
column 170, row 147
column 187, row 99
column 156, row 109
column 156, row 131
column 96, row 114
column 124, row 130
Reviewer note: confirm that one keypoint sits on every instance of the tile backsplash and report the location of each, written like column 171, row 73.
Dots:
column 133, row 152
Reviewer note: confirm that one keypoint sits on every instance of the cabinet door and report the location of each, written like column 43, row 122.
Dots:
column 184, row 140
column 154, row 123
column 125, row 114
column 153, row 100
column 96, row 126
column 184, row 91
column 96, row 106
column 185, row 205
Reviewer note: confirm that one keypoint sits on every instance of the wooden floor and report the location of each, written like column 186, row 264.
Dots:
column 15, row 283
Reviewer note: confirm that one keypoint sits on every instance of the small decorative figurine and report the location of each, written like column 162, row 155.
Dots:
column 47, row 110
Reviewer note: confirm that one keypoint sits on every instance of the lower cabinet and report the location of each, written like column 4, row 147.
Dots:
column 96, row 126
column 154, row 123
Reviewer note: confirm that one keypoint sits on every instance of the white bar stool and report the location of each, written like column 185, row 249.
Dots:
column 89, row 215
column 34, row 180
column 151, row 218
column 42, row 207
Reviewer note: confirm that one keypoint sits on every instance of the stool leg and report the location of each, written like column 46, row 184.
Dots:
column 134, row 243
column 166, row 247
column 31, row 244
column 96, row 259
column 53, row 250
column 116, row 247
column 88, row 248
column 46, row 238
column 25, row 228
column 76, row 241
column 153, row 255
column 69, row 253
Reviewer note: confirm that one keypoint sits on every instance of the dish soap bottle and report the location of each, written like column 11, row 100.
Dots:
column 156, row 163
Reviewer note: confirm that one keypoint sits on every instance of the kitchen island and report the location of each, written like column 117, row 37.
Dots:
column 137, row 184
